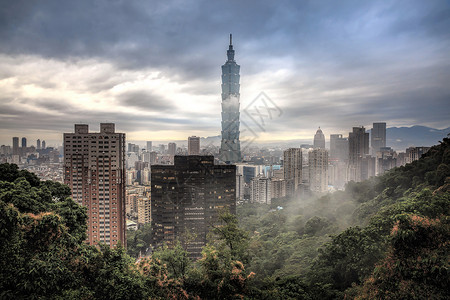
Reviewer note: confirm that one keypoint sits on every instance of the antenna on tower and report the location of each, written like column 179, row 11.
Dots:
column 231, row 41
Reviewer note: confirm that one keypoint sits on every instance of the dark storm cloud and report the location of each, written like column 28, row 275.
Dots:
column 355, row 61
column 178, row 35
column 145, row 100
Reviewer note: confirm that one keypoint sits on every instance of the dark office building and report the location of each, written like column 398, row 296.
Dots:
column 15, row 149
column 249, row 173
column 186, row 198
column 358, row 142
column 338, row 148
column 358, row 150
column 378, row 137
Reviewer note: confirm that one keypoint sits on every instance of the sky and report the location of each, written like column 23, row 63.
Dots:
column 153, row 67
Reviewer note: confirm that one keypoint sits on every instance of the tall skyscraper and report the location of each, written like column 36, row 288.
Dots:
column 318, row 170
column 230, row 148
column 23, row 149
column 44, row 146
column 194, row 145
column 149, row 146
column 378, row 137
column 338, row 158
column 15, row 148
column 338, row 148
column 38, row 144
column 292, row 166
column 319, row 139
column 94, row 165
column 172, row 149
column 186, row 198
column 358, row 142
column 358, row 149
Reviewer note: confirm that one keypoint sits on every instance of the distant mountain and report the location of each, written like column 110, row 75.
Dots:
column 400, row 138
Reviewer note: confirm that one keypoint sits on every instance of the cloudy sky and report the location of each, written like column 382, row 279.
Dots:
column 153, row 68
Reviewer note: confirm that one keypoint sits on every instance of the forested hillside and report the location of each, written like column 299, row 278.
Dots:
column 340, row 243
column 384, row 238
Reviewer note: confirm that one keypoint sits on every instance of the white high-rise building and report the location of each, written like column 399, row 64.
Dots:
column 318, row 170
column 144, row 209
column 261, row 190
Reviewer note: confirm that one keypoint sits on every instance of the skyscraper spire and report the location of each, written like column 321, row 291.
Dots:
column 230, row 52
column 230, row 149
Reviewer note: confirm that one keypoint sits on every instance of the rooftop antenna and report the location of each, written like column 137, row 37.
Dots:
column 231, row 37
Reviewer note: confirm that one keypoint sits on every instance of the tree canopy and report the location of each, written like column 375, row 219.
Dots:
column 387, row 237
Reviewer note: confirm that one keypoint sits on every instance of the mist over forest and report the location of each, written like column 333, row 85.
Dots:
column 339, row 245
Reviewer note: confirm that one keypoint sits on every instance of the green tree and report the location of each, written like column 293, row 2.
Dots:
column 220, row 273
column 42, row 249
column 138, row 241
column 347, row 259
column 110, row 274
column 316, row 225
column 231, row 240
column 417, row 264
column 176, row 260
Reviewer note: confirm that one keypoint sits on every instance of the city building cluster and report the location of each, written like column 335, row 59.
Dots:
column 317, row 169
column 45, row 162
column 180, row 191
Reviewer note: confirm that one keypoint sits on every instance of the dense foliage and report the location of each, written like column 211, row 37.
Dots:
column 332, row 244
column 387, row 237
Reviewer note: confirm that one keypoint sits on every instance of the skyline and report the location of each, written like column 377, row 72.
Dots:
column 154, row 69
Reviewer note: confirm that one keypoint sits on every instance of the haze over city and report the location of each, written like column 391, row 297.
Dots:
column 154, row 68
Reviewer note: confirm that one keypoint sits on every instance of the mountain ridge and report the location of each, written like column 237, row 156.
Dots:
column 398, row 138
